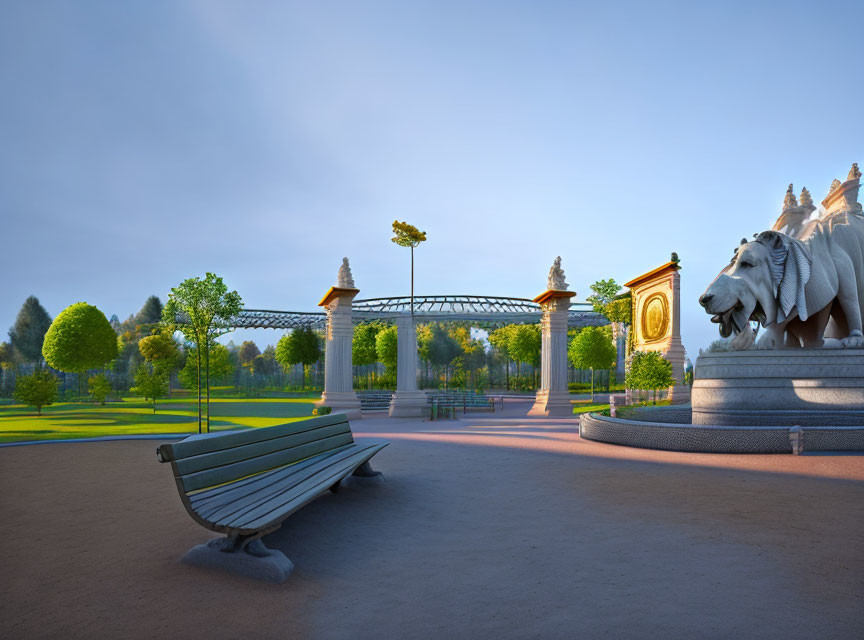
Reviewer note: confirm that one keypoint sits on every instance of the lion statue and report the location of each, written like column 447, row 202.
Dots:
column 803, row 290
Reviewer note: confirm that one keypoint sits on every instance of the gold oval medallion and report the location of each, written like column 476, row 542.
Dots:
column 655, row 317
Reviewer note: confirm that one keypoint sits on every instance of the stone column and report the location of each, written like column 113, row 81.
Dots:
column 553, row 398
column 338, row 379
column 408, row 401
column 679, row 392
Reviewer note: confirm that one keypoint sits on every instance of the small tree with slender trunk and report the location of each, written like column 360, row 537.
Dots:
column 592, row 349
column 201, row 310
column 406, row 235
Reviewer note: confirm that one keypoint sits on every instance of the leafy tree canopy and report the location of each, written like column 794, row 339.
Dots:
column 36, row 390
column 80, row 338
column 201, row 309
column 386, row 345
column 649, row 370
column 27, row 334
column 407, row 235
column 151, row 312
column 363, row 349
column 604, row 292
column 99, row 387
column 619, row 309
column 6, row 357
column 220, row 366
column 248, row 352
column 524, row 344
column 301, row 346
column 160, row 350
column 150, row 384
column 443, row 349
column 591, row 349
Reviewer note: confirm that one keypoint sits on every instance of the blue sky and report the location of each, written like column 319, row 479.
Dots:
column 145, row 142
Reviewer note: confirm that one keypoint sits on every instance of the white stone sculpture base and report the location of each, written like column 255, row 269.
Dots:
column 341, row 402
column 780, row 387
column 408, row 404
column 554, row 404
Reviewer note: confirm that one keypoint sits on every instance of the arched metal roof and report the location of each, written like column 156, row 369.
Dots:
column 482, row 310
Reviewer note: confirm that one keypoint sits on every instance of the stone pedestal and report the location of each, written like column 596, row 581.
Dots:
column 553, row 398
column 338, row 380
column 408, row 401
column 780, row 387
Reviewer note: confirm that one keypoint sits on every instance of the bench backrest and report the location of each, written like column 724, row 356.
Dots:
column 203, row 461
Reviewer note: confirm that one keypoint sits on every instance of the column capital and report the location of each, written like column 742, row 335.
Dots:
column 336, row 293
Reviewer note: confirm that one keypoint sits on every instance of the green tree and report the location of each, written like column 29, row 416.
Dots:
column 406, row 235
column 301, row 346
column 201, row 310
column 221, row 366
column 28, row 332
column 151, row 313
column 149, row 383
column 80, row 338
column 524, row 346
column 264, row 365
column 500, row 339
column 443, row 349
column 363, row 349
column 248, row 352
column 99, row 387
column 6, row 357
column 619, row 309
column 36, row 390
column 604, row 292
column 162, row 352
column 649, row 370
column 386, row 346
column 592, row 349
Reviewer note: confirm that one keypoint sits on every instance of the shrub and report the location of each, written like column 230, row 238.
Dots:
column 99, row 387
column 37, row 390
column 322, row 411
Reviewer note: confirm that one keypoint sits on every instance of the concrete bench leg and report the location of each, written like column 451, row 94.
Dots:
column 365, row 471
column 241, row 555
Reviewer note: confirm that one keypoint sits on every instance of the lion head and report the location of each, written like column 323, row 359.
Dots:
column 764, row 282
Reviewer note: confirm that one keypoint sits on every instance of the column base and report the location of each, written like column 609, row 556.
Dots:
column 345, row 402
column 679, row 394
column 408, row 404
column 553, row 404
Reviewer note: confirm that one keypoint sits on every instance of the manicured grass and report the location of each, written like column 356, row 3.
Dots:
column 133, row 416
column 588, row 407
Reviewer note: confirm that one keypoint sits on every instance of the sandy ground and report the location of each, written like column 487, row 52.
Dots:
column 482, row 528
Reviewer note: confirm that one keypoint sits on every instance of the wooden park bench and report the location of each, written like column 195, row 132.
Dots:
column 246, row 483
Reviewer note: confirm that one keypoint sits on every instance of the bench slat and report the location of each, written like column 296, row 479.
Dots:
column 206, row 443
column 251, row 483
column 281, row 506
column 282, row 480
column 238, row 470
column 224, row 457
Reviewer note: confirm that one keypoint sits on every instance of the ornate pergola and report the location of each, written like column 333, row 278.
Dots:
column 480, row 311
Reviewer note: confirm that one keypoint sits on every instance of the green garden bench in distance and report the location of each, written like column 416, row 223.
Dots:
column 246, row 483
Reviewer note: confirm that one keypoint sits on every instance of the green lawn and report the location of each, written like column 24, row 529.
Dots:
column 588, row 407
column 134, row 416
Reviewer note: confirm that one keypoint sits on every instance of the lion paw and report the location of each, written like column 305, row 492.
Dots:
column 854, row 341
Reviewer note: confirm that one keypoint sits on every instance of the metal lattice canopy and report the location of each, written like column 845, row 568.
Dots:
column 484, row 311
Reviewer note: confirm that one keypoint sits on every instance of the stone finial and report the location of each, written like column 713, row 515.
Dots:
column 834, row 185
column 345, row 280
column 556, row 277
column 854, row 172
column 674, row 258
column 789, row 201
column 805, row 198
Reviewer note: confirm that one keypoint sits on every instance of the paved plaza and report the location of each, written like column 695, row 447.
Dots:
column 485, row 527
